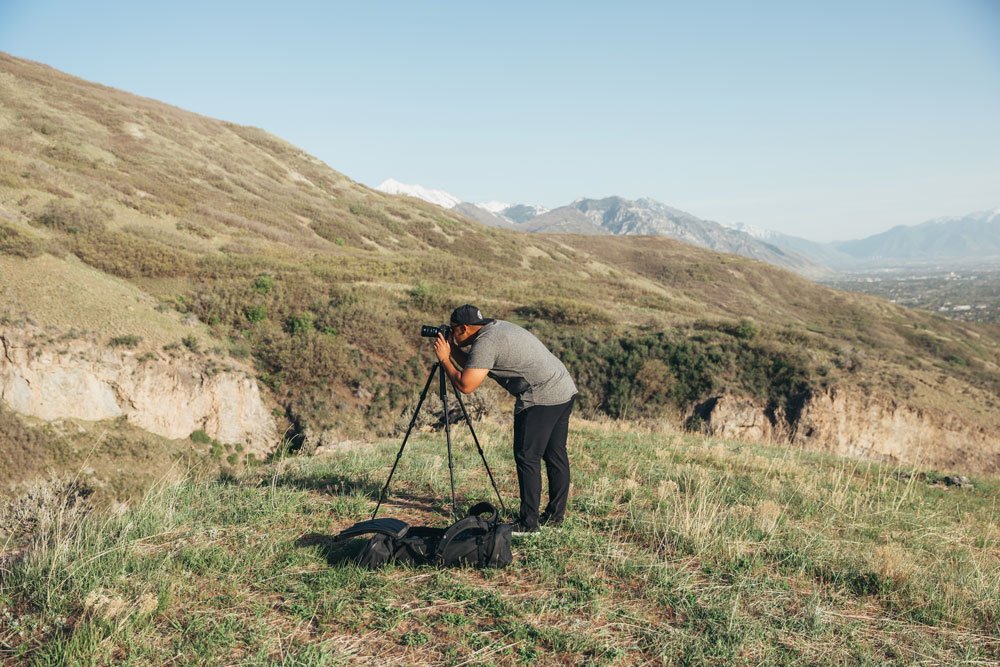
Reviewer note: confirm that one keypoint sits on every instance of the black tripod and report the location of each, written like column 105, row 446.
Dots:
column 437, row 368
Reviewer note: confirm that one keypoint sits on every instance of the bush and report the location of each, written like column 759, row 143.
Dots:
column 191, row 343
column 73, row 218
column 130, row 340
column 200, row 437
column 263, row 284
column 301, row 324
column 255, row 314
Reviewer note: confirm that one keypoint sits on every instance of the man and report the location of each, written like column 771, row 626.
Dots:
column 545, row 392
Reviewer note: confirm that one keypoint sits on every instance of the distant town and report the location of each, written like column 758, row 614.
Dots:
column 969, row 294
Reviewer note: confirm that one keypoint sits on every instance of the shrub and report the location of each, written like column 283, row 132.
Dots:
column 191, row 343
column 263, row 284
column 130, row 340
column 200, row 437
column 300, row 324
column 73, row 218
column 256, row 313
column 745, row 329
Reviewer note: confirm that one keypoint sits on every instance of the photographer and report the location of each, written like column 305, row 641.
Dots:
column 545, row 392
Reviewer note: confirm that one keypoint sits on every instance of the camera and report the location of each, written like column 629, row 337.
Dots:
column 431, row 331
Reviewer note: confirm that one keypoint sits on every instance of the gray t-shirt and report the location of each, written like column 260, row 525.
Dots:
column 521, row 364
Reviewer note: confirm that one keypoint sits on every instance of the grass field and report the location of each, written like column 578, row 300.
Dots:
column 678, row 550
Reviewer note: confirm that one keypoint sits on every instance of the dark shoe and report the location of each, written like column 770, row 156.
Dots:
column 548, row 520
column 518, row 529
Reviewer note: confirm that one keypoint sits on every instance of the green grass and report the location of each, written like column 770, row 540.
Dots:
column 677, row 550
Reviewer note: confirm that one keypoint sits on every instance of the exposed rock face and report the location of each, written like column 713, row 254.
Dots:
column 169, row 397
column 849, row 423
column 737, row 418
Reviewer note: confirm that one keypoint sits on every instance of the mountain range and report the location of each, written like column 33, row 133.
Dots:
column 619, row 217
column 971, row 238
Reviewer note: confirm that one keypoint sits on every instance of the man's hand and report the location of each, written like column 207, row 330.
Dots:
column 442, row 348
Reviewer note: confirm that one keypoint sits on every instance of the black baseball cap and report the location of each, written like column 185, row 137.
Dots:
column 468, row 314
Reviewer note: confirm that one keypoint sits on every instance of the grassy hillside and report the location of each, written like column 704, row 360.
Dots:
column 323, row 283
column 677, row 550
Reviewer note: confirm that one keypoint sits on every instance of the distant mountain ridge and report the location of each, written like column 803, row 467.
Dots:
column 970, row 238
column 615, row 216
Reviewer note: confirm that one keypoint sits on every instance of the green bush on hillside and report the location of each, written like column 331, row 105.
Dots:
column 263, row 284
column 128, row 340
column 641, row 375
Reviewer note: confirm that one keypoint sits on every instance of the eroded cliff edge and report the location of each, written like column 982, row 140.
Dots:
column 848, row 422
column 171, row 395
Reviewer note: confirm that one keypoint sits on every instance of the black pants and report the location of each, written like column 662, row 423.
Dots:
column 540, row 433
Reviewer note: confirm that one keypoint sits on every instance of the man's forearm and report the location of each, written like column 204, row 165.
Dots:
column 450, row 370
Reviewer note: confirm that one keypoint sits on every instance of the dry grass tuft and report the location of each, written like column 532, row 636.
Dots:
column 893, row 562
column 766, row 516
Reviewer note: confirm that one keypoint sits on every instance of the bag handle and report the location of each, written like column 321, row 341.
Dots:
column 485, row 508
column 456, row 528
column 470, row 521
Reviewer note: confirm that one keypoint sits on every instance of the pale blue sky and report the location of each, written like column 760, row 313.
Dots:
column 826, row 120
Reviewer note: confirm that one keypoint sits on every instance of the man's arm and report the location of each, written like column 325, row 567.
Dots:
column 466, row 380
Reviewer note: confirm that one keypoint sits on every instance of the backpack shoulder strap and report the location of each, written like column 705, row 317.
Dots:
column 456, row 528
column 472, row 520
column 391, row 527
column 485, row 508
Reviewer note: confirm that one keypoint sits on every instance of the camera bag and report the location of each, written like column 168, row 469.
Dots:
column 471, row 541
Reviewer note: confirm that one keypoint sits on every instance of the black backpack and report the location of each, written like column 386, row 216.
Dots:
column 472, row 541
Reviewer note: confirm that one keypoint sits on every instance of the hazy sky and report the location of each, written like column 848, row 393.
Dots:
column 822, row 119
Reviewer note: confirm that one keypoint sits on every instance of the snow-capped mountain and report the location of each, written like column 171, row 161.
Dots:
column 438, row 197
column 494, row 213
column 493, row 206
column 648, row 217
column 520, row 213
column 752, row 230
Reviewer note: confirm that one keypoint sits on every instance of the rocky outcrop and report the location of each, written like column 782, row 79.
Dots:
column 734, row 417
column 171, row 397
column 850, row 423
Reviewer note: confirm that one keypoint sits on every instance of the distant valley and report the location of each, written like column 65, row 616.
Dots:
column 968, row 295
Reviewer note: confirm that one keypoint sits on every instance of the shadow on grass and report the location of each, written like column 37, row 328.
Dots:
column 338, row 553
column 342, row 485
column 334, row 485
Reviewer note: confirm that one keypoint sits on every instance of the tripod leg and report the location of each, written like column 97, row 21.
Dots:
column 482, row 455
column 447, row 437
column 409, row 429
